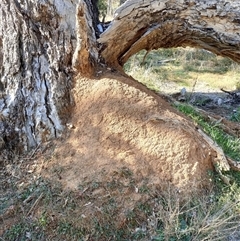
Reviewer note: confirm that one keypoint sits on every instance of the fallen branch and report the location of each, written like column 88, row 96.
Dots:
column 35, row 204
column 233, row 164
column 220, row 161
column 235, row 94
column 223, row 123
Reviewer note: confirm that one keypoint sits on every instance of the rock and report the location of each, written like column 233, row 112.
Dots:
column 219, row 101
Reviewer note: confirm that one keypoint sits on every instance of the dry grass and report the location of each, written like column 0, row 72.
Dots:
column 195, row 219
column 33, row 208
column 183, row 67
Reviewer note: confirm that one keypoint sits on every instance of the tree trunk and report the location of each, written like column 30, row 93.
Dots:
column 109, row 8
column 44, row 44
column 38, row 40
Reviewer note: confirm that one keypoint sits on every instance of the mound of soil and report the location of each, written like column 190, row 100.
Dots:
column 117, row 125
column 123, row 147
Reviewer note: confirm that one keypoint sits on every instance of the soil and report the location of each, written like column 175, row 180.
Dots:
column 120, row 135
column 118, row 123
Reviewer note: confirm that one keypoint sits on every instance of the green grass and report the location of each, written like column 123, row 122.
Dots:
column 70, row 215
column 236, row 116
column 229, row 144
column 198, row 219
column 231, row 147
column 25, row 230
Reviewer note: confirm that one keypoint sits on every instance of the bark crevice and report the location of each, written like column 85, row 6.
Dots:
column 37, row 72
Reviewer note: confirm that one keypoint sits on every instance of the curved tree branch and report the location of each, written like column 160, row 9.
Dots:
column 213, row 25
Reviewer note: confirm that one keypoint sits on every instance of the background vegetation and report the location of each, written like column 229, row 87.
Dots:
column 184, row 66
column 107, row 8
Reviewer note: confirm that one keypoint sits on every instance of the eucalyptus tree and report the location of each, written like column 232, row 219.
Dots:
column 45, row 44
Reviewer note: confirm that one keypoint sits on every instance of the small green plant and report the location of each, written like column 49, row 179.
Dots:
column 68, row 229
column 15, row 232
column 236, row 116
column 102, row 7
column 25, row 230
column 144, row 189
column 43, row 220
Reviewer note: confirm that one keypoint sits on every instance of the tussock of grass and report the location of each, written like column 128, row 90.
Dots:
column 201, row 218
column 236, row 116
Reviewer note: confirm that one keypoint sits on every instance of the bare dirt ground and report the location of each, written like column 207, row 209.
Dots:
column 119, row 134
column 115, row 126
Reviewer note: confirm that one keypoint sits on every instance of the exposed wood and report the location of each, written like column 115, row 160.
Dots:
column 86, row 54
column 220, row 160
column 212, row 25
column 231, row 128
column 233, row 164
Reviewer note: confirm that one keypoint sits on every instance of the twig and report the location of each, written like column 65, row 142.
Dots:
column 145, row 57
column 28, row 199
column 193, row 89
column 228, row 92
column 35, row 204
column 35, row 150
column 233, row 164
column 65, row 203
column 84, row 190
column 235, row 95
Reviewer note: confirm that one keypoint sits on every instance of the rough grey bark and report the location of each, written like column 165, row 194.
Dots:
column 45, row 43
column 138, row 24
column 37, row 39
column 86, row 55
column 37, row 44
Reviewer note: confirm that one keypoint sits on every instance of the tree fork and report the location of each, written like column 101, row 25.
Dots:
column 44, row 45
